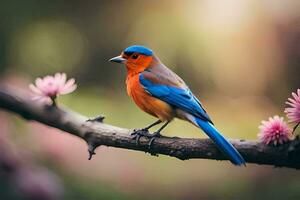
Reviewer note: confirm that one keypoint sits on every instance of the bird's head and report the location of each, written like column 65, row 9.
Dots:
column 136, row 58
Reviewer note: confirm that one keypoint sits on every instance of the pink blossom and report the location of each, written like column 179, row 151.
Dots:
column 274, row 131
column 46, row 89
column 293, row 112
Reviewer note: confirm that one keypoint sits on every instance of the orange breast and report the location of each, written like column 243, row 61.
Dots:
column 146, row 102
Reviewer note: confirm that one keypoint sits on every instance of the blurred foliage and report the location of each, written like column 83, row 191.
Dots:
column 240, row 57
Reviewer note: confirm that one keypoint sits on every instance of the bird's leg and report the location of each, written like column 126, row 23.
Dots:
column 156, row 134
column 154, row 124
column 138, row 133
column 135, row 131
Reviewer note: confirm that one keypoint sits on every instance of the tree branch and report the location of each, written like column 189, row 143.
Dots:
column 96, row 134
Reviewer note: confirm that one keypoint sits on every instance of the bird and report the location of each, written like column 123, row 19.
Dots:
column 161, row 93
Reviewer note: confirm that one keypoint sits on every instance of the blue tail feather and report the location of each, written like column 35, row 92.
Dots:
column 227, row 148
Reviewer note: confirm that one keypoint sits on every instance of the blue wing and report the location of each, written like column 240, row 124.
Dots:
column 177, row 97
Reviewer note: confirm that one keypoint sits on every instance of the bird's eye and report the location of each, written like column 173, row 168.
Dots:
column 135, row 56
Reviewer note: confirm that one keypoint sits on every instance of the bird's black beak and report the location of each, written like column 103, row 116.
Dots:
column 117, row 59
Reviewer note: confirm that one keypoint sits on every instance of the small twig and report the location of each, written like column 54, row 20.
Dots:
column 295, row 127
column 99, row 118
column 91, row 150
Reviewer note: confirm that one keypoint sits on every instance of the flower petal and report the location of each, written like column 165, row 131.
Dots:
column 35, row 89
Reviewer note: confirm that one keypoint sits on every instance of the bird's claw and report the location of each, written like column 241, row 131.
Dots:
column 138, row 133
column 152, row 139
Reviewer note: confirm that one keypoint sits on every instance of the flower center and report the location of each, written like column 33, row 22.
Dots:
column 52, row 90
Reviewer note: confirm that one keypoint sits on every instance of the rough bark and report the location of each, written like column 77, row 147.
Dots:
column 97, row 133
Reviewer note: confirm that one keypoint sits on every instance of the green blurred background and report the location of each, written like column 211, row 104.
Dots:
column 240, row 57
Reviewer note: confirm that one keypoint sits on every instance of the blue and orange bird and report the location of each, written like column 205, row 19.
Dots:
column 163, row 94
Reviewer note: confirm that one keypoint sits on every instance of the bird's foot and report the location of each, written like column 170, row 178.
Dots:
column 99, row 118
column 153, row 137
column 138, row 133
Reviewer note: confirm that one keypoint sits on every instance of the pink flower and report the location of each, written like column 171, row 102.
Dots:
column 293, row 112
column 274, row 131
column 48, row 88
